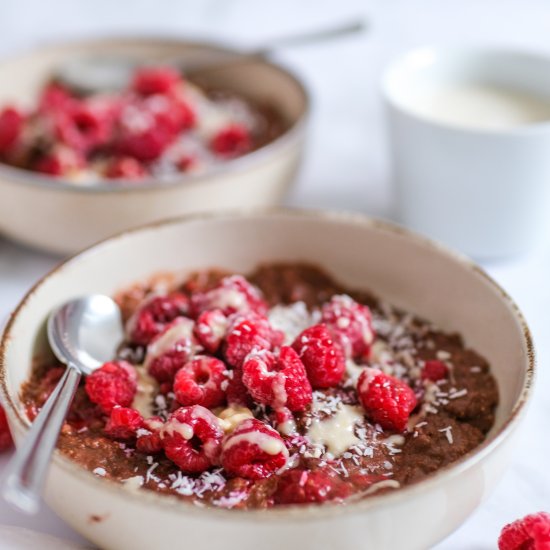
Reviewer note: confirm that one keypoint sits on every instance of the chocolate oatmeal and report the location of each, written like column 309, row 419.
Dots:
column 279, row 388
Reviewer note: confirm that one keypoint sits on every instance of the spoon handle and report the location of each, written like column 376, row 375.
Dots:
column 26, row 473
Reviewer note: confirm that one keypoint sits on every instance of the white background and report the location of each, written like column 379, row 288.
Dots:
column 346, row 166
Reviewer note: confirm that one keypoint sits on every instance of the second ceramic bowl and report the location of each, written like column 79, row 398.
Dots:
column 62, row 217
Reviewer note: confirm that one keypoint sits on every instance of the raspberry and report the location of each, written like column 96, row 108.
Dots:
column 232, row 295
column 123, row 423
column 236, row 392
column 11, row 124
column 278, row 381
column 351, row 324
column 126, row 168
column 387, row 400
column 55, row 97
column 299, row 486
column 192, row 438
column 154, row 315
column 114, row 383
column 529, row 533
column 171, row 112
column 322, row 357
column 247, row 334
column 434, row 370
column 210, row 329
column 148, row 436
column 171, row 349
column 253, row 450
column 145, row 145
column 186, row 163
column 155, row 80
column 60, row 162
column 6, row 441
column 200, row 382
column 232, row 141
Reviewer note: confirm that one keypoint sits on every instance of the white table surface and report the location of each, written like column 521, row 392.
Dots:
column 346, row 166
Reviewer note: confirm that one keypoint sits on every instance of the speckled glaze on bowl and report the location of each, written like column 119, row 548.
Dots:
column 64, row 217
column 405, row 269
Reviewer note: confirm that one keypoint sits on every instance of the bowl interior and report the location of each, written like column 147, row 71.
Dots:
column 405, row 270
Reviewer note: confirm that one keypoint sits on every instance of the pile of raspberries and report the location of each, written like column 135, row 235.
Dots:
column 126, row 132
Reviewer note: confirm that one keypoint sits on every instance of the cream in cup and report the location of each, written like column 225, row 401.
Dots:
column 470, row 143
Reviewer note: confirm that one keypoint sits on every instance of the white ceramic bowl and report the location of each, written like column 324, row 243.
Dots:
column 407, row 270
column 62, row 217
column 483, row 190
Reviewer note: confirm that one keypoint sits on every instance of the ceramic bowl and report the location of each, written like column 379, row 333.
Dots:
column 62, row 217
column 407, row 270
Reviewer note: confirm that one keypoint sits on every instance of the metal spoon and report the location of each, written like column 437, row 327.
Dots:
column 83, row 334
column 104, row 74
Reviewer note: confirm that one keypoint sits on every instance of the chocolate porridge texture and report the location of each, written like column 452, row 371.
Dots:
column 450, row 419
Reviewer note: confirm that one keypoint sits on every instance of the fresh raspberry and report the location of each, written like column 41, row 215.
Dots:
column 233, row 294
column 148, row 436
column 300, row 486
column 11, row 124
column 253, row 450
column 6, row 441
column 171, row 112
column 529, row 533
column 249, row 333
column 351, row 324
column 126, row 168
column 123, row 423
column 154, row 315
column 210, row 329
column 60, row 162
column 192, row 438
column 171, row 349
column 114, row 383
column 236, row 392
column 55, row 97
column 322, row 357
column 200, row 382
column 434, row 370
column 155, row 80
column 278, row 381
column 387, row 400
column 145, row 145
column 232, row 141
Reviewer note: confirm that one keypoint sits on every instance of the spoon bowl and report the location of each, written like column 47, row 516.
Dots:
column 83, row 333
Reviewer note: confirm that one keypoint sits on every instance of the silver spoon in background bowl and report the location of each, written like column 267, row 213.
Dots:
column 83, row 334
column 89, row 74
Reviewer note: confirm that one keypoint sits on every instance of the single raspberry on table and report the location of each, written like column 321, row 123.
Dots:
column 351, row 324
column 126, row 168
column 114, row 383
column 232, row 141
column 201, row 382
column 529, row 533
column 248, row 333
column 277, row 380
column 156, row 80
column 233, row 294
column 123, row 423
column 6, row 441
column 387, row 400
column 148, row 436
column 11, row 125
column 210, row 329
column 192, row 439
column 434, row 370
column 300, row 486
column 153, row 316
column 253, row 450
column 171, row 349
column 322, row 357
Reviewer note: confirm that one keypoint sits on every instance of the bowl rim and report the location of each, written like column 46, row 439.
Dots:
column 231, row 166
column 448, row 54
column 171, row 503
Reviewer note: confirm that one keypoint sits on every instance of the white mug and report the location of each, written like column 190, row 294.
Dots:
column 482, row 189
